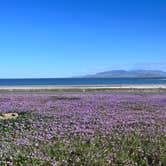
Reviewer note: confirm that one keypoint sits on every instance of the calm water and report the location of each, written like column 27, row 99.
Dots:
column 81, row 81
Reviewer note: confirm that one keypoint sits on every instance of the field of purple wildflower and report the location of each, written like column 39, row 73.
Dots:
column 83, row 129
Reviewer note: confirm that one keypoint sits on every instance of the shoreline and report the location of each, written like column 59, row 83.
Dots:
column 111, row 86
column 120, row 88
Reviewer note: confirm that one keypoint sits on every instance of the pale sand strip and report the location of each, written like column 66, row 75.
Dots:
column 81, row 87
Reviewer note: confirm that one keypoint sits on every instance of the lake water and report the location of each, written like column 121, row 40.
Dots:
column 81, row 81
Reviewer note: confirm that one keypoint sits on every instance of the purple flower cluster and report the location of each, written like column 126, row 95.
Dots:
column 89, row 113
column 50, row 116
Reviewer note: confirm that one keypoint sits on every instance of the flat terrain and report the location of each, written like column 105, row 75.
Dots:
column 83, row 129
column 143, row 86
column 87, row 88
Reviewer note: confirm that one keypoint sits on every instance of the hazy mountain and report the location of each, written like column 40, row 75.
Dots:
column 131, row 73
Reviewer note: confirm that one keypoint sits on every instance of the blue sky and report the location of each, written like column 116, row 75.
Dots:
column 63, row 38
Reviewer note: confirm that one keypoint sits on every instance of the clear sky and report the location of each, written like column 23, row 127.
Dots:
column 62, row 38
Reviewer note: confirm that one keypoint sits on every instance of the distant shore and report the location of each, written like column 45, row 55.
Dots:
column 87, row 88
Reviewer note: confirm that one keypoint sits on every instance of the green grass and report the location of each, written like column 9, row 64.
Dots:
column 117, row 148
column 132, row 148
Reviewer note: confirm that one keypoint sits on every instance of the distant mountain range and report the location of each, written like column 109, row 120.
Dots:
column 128, row 74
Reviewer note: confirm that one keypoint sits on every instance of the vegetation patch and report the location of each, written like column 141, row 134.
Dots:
column 98, row 129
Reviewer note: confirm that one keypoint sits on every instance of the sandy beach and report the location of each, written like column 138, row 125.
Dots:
column 86, row 88
column 132, row 86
